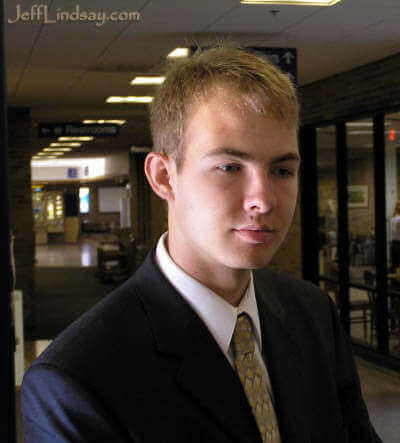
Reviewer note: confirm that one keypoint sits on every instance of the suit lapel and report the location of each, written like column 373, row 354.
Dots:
column 208, row 377
column 284, row 363
column 204, row 372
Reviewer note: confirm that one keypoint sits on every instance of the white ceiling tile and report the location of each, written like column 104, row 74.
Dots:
column 258, row 18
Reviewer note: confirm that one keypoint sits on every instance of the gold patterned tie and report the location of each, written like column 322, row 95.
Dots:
column 253, row 382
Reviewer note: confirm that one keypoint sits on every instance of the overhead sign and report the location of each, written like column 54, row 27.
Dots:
column 284, row 58
column 78, row 129
column 72, row 173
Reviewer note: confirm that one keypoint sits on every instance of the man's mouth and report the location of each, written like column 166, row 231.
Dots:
column 256, row 234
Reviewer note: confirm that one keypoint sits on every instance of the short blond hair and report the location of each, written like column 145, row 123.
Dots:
column 258, row 83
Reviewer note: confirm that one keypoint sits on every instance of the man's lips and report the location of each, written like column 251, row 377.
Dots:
column 255, row 234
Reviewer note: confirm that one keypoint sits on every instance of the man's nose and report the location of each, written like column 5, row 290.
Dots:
column 260, row 194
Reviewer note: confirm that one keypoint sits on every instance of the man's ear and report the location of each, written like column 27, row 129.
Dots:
column 158, row 169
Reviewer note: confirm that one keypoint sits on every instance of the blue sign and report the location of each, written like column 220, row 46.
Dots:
column 72, row 172
column 284, row 58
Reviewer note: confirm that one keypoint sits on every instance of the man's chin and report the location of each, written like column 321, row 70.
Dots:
column 253, row 261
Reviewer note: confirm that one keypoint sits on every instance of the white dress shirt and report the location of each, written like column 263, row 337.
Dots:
column 217, row 314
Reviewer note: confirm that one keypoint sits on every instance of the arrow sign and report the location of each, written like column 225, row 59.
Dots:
column 288, row 57
column 78, row 129
column 284, row 58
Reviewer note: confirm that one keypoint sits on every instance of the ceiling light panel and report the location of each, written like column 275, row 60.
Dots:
column 129, row 99
column 150, row 80
column 80, row 139
column 72, row 145
column 291, row 2
column 178, row 53
column 57, row 149
column 101, row 122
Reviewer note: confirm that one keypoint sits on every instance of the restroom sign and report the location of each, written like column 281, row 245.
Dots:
column 78, row 129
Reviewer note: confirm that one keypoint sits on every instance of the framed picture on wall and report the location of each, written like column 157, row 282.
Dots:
column 358, row 196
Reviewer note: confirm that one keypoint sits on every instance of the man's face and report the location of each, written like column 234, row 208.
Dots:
column 235, row 195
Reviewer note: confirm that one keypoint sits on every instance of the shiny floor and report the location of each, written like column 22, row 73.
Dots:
column 73, row 254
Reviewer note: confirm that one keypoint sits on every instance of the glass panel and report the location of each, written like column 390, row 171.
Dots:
column 361, row 201
column 332, row 289
column 392, row 177
column 363, row 316
column 327, row 201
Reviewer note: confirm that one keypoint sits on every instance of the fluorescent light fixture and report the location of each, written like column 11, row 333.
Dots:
column 57, row 153
column 43, row 157
column 291, row 2
column 179, row 52
column 150, row 80
column 78, row 139
column 72, row 145
column 100, row 122
column 129, row 99
column 57, row 149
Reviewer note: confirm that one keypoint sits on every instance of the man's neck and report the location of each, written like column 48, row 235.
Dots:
column 229, row 284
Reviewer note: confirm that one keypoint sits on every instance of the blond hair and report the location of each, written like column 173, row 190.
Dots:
column 256, row 81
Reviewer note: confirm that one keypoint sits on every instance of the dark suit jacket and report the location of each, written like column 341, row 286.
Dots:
column 142, row 367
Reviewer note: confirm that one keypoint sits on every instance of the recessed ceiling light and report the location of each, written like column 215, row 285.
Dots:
column 291, row 2
column 129, row 99
column 57, row 149
column 179, row 52
column 100, row 122
column 81, row 139
column 150, row 80
column 72, row 145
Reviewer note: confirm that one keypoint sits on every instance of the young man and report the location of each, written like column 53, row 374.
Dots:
column 194, row 347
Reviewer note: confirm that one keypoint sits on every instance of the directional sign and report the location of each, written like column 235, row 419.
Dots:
column 78, row 130
column 284, row 58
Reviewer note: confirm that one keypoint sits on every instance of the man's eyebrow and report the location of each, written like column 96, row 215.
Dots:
column 290, row 156
column 223, row 150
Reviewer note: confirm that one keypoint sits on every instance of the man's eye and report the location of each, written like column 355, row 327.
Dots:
column 229, row 168
column 283, row 172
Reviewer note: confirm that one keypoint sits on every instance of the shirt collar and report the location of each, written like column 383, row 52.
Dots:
column 218, row 315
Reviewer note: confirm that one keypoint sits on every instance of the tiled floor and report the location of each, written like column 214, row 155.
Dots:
column 83, row 253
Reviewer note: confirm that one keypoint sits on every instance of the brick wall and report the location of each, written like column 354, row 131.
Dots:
column 19, row 155
column 361, row 91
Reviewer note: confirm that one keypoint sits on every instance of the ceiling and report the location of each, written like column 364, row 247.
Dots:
column 65, row 70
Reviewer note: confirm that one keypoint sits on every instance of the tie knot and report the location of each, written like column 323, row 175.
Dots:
column 242, row 338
